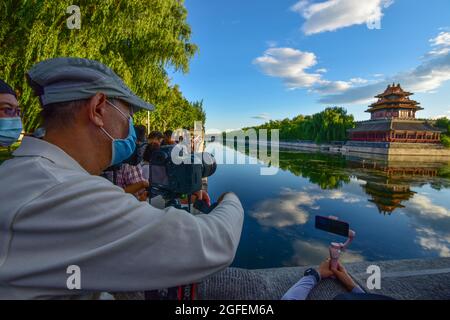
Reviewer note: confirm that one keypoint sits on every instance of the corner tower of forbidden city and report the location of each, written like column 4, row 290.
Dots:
column 393, row 119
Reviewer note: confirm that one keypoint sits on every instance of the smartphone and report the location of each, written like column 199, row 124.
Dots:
column 333, row 226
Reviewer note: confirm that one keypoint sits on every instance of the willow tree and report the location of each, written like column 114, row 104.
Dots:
column 176, row 112
column 328, row 125
column 139, row 39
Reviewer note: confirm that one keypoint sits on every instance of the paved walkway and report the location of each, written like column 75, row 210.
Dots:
column 401, row 279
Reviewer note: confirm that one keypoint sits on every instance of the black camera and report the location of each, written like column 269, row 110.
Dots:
column 138, row 155
column 175, row 171
column 136, row 158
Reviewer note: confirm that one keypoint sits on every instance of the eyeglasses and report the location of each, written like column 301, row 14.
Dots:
column 128, row 117
column 10, row 111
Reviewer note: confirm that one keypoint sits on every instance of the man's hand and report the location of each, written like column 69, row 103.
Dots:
column 137, row 187
column 143, row 196
column 222, row 196
column 201, row 195
column 325, row 269
column 344, row 277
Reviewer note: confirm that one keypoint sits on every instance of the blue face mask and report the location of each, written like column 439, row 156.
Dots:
column 10, row 130
column 122, row 149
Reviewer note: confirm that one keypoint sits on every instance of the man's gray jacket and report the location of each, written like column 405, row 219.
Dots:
column 54, row 214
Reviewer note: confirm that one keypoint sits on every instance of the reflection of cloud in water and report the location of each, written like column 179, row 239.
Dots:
column 422, row 205
column 313, row 253
column 358, row 181
column 339, row 195
column 291, row 207
column 433, row 222
column 431, row 240
column 284, row 211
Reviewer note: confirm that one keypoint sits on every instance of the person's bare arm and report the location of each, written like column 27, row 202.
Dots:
column 136, row 187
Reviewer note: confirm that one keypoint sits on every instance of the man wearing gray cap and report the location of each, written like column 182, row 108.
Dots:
column 65, row 231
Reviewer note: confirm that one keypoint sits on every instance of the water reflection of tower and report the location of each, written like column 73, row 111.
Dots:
column 389, row 183
column 388, row 197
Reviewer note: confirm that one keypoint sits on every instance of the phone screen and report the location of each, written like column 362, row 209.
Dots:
column 333, row 226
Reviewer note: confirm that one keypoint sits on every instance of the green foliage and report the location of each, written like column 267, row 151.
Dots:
column 6, row 152
column 326, row 126
column 175, row 113
column 326, row 171
column 445, row 140
column 138, row 39
column 444, row 123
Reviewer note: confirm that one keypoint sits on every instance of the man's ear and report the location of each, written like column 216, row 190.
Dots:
column 97, row 109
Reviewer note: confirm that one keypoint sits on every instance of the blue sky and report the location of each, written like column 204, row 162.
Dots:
column 272, row 59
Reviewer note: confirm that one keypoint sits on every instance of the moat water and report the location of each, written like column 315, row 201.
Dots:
column 399, row 210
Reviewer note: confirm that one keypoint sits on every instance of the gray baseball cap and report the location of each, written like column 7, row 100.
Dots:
column 70, row 79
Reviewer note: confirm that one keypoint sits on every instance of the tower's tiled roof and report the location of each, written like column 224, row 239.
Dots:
column 394, row 97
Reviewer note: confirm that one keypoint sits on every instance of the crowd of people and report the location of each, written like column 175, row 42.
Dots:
column 58, row 210
column 134, row 177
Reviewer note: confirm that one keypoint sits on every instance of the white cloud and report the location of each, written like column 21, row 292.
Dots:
column 443, row 39
column 362, row 95
column 262, row 116
column 427, row 77
column 289, row 64
column 299, row 6
column 358, row 81
column 439, row 51
column 441, row 44
column 329, row 87
column 293, row 66
column 332, row 15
